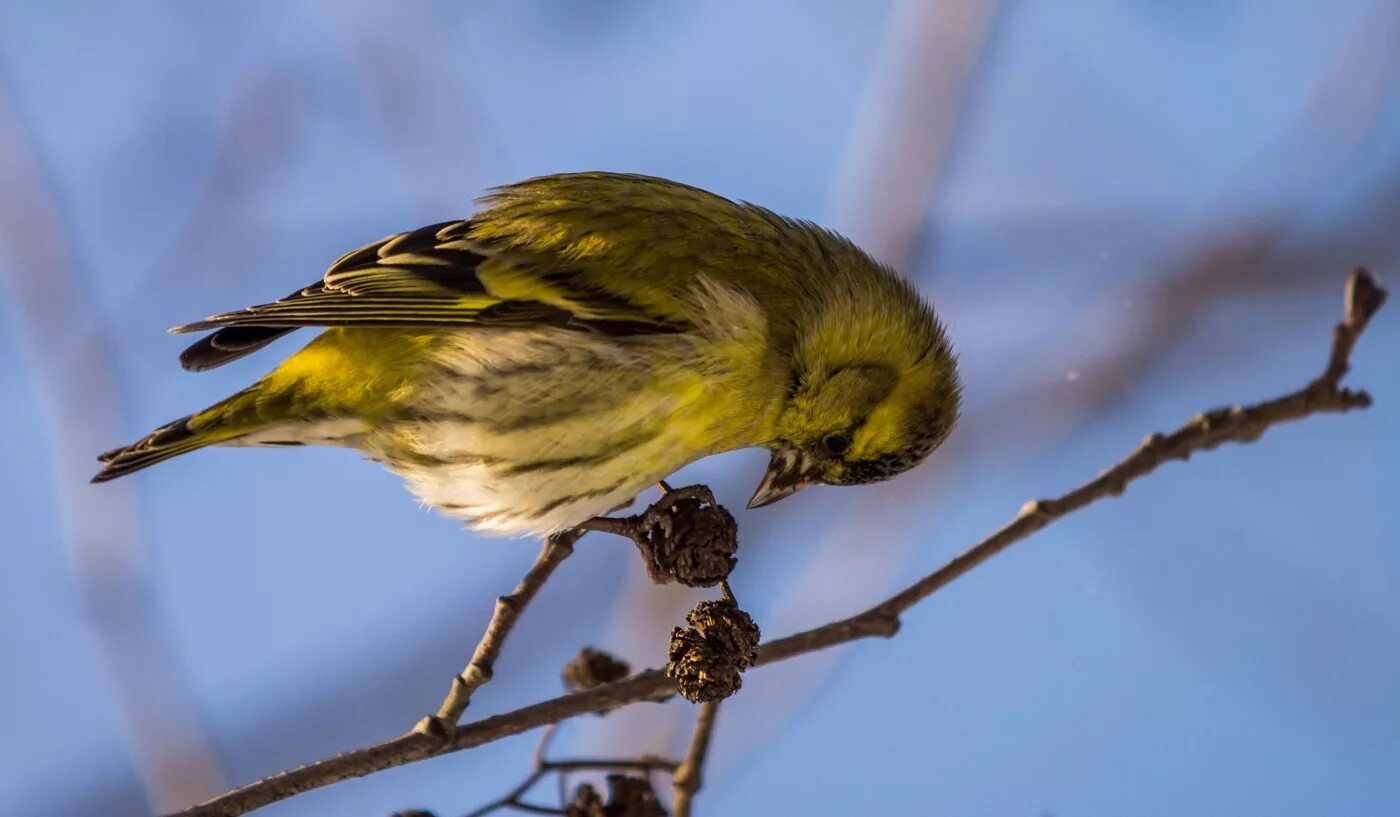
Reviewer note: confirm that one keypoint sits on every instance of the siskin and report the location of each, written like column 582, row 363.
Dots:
column 578, row 340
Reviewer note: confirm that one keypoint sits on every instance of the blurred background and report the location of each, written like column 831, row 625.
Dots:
column 1125, row 212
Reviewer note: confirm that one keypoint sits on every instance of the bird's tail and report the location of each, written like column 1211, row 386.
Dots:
column 224, row 421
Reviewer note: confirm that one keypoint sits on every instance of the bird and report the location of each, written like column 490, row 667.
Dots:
column 578, row 339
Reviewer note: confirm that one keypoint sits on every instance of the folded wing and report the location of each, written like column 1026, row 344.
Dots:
column 435, row 276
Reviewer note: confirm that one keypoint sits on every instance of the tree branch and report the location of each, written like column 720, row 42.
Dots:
column 687, row 779
column 557, row 548
column 1202, row 433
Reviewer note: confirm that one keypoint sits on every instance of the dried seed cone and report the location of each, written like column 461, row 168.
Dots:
column 628, row 796
column 586, row 803
column 632, row 797
column 707, row 658
column 689, row 538
column 591, row 668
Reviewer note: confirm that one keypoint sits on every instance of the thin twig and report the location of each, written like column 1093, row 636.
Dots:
column 542, row 748
column 556, row 549
column 689, row 777
column 1202, row 433
column 512, row 798
column 646, row 763
column 909, row 119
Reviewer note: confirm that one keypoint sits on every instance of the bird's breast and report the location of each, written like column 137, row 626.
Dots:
column 528, row 432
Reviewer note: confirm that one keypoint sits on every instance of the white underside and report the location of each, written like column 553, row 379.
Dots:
column 611, row 438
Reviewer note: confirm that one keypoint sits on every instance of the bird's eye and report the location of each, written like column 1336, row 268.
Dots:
column 836, row 444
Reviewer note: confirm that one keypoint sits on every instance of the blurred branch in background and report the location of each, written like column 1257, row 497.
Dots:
column 908, row 119
column 266, row 117
column 74, row 372
column 261, row 128
column 1206, row 431
column 436, row 148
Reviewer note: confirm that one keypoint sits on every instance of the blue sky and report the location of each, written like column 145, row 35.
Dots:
column 1126, row 213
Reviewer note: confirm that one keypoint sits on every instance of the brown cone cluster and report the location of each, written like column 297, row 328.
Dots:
column 591, row 668
column 687, row 537
column 707, row 658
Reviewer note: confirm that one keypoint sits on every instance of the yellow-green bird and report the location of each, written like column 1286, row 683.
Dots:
column 579, row 339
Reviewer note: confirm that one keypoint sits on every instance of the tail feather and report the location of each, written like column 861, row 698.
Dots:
column 318, row 395
column 221, row 422
column 165, row 442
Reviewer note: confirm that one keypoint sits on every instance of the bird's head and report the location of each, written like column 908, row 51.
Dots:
column 875, row 391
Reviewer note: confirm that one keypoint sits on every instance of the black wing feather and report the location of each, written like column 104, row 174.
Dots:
column 229, row 344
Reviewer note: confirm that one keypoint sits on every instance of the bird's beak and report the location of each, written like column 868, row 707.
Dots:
column 788, row 473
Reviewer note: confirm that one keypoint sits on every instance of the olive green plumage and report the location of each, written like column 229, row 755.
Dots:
column 577, row 340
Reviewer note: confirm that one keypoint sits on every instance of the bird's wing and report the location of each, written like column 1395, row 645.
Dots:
column 435, row 276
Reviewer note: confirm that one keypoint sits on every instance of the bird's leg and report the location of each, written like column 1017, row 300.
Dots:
column 684, row 536
column 625, row 526
column 670, row 496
